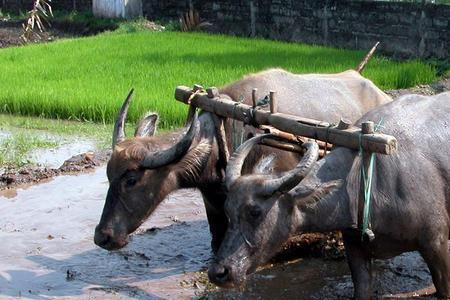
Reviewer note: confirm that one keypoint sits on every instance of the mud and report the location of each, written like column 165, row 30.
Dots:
column 10, row 31
column 48, row 252
column 12, row 178
column 10, row 35
column 331, row 279
column 56, row 157
column 424, row 89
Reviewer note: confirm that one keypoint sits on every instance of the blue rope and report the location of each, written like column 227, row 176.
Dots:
column 367, row 181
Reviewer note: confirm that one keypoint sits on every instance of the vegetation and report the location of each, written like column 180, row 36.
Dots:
column 88, row 78
column 21, row 135
column 14, row 148
column 99, row 132
column 36, row 17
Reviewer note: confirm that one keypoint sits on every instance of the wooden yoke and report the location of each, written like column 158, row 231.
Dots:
column 347, row 137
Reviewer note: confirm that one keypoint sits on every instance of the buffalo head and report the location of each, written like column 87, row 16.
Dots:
column 261, row 212
column 142, row 171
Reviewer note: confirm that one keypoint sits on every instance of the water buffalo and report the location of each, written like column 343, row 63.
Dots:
column 410, row 199
column 143, row 170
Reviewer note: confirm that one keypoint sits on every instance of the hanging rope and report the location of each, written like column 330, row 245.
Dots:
column 367, row 184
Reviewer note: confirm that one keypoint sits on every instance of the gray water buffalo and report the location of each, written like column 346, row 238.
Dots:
column 410, row 199
column 143, row 170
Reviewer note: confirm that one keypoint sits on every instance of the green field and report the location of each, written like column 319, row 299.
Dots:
column 88, row 78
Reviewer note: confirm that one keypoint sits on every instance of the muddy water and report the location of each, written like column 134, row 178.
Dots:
column 327, row 279
column 55, row 157
column 48, row 252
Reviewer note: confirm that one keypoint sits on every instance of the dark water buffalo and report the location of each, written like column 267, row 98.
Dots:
column 410, row 199
column 143, row 170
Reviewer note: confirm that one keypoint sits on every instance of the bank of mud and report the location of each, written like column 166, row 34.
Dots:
column 15, row 177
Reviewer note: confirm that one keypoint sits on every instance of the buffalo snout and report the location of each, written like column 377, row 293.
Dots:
column 223, row 275
column 105, row 238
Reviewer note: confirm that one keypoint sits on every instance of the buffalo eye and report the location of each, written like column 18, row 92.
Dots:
column 254, row 212
column 131, row 182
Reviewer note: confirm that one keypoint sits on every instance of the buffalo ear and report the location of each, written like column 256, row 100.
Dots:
column 265, row 165
column 147, row 125
column 190, row 167
column 307, row 198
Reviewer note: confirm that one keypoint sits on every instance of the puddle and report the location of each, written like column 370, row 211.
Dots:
column 47, row 232
column 4, row 135
column 328, row 279
column 48, row 252
column 55, row 157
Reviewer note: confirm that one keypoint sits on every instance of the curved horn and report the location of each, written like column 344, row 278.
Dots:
column 291, row 178
column 164, row 157
column 119, row 133
column 236, row 161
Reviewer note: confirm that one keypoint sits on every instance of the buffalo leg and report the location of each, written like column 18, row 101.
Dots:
column 360, row 265
column 217, row 219
column 435, row 254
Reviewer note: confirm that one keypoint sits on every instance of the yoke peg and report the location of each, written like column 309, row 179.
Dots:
column 273, row 102
column 213, row 92
column 254, row 91
column 344, row 124
column 197, row 87
column 368, row 127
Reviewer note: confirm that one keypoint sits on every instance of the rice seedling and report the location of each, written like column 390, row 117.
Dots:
column 88, row 78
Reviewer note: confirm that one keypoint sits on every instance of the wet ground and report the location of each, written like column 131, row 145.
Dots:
column 55, row 157
column 45, row 163
column 48, row 252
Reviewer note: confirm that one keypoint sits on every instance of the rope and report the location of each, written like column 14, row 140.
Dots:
column 331, row 125
column 367, row 183
column 237, row 141
column 192, row 96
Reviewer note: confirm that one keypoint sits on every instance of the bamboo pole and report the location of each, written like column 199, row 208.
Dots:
column 289, row 146
column 351, row 137
column 292, row 138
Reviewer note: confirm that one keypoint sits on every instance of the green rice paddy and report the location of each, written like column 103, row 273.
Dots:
column 88, row 78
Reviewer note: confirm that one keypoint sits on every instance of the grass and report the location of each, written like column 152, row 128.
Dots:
column 15, row 148
column 99, row 132
column 31, row 133
column 88, row 78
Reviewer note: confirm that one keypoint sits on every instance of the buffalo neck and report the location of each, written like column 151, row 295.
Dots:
column 332, row 211
column 212, row 169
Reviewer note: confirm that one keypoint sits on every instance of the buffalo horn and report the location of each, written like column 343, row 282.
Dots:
column 236, row 161
column 164, row 157
column 291, row 178
column 119, row 133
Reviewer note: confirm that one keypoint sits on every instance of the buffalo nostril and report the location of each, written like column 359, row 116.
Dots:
column 102, row 237
column 219, row 274
column 223, row 276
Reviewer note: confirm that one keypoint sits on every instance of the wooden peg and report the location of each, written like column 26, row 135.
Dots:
column 254, row 91
column 367, row 127
column 213, row 92
column 344, row 124
column 273, row 102
column 197, row 87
